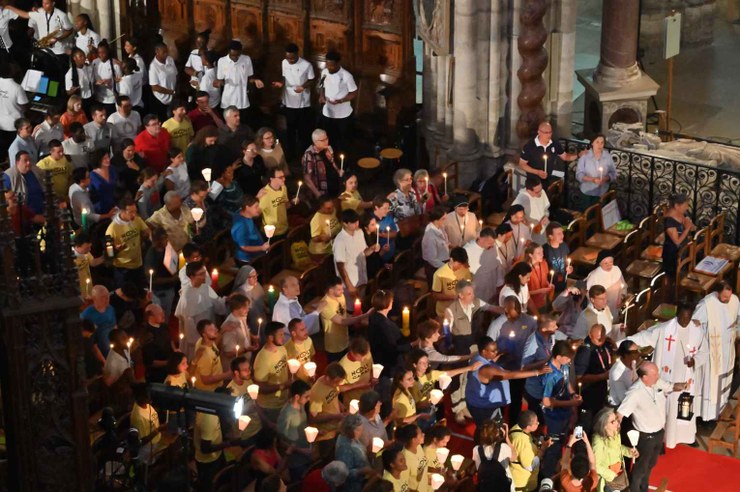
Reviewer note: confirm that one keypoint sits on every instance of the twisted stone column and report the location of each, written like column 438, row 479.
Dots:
column 534, row 62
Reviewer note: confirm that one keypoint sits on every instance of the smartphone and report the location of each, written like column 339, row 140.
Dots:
column 578, row 433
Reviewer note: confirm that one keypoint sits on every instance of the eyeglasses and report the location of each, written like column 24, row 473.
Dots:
column 279, row 177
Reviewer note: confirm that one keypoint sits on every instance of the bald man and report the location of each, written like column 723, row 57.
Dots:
column 539, row 155
column 646, row 403
column 156, row 344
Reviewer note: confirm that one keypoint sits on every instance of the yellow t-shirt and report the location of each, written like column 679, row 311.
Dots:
column 400, row 485
column 433, row 464
column 444, row 281
column 128, row 235
column 336, row 337
column 424, row 385
column 319, row 227
column 325, row 399
column 303, row 352
column 181, row 134
column 416, row 472
column 351, row 201
column 208, row 365
column 146, row 421
column 274, row 207
column 359, row 371
column 82, row 262
column 207, row 428
column 255, row 424
column 272, row 368
column 61, row 174
column 179, row 380
column 526, row 451
column 404, row 404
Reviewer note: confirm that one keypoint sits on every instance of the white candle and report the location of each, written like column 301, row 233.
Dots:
column 237, row 350
column 341, row 162
column 552, row 276
column 294, row 365
column 192, row 381
column 444, row 175
column 377, row 444
column 457, row 461
column 377, row 236
column 182, row 336
column 87, row 287
column 243, row 422
column 566, row 270
column 435, row 396
column 444, row 381
column 328, row 227
column 377, row 369
column 151, row 279
column 544, row 157
column 310, row 368
column 601, row 173
column 259, row 327
column 298, row 191
column 426, row 185
column 442, row 454
column 388, row 231
column 253, row 391
column 354, row 406
column 311, row 433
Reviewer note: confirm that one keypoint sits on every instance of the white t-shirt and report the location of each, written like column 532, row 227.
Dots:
column 236, row 78
column 130, row 86
column 43, row 23
column 116, row 364
column 196, row 63
column 12, row 97
column 44, row 133
column 474, row 253
column 124, row 127
column 105, row 70
column 297, row 74
column 337, row 86
column 142, row 67
column 79, row 153
column 163, row 75
column 206, row 84
column 5, row 17
column 523, row 296
column 504, row 457
column 350, row 250
column 85, row 81
column 83, row 41
column 180, row 179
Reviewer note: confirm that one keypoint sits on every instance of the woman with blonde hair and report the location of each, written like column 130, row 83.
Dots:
column 74, row 114
column 268, row 146
column 609, row 452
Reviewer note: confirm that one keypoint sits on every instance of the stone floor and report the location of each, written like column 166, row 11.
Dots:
column 706, row 99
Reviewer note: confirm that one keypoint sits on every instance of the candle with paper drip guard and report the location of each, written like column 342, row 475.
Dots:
column 298, row 192
column 456, row 461
column 294, row 365
column 197, row 214
column 377, row 370
column 634, row 437
column 354, row 406
column 206, row 172
column 437, row 481
column 243, row 422
column 377, row 444
column 444, row 175
column 442, row 454
column 310, row 368
column 151, row 279
column 311, row 433
column 253, row 391
column 444, row 381
column 269, row 232
column 435, row 396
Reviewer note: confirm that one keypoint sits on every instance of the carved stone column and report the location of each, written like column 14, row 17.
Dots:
column 618, row 64
column 534, row 62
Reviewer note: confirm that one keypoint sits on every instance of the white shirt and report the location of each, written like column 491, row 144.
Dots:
column 83, row 41
column 534, row 207
column 621, row 378
column 179, row 178
column 116, row 364
column 5, row 17
column 79, row 153
column 474, row 251
column 43, row 23
column 647, row 406
column 206, row 84
column 350, row 251
column 12, row 97
column 297, row 74
column 142, row 67
column 85, row 81
column 105, row 70
column 44, row 133
column 523, row 295
column 235, row 75
column 130, row 86
column 196, row 63
column 163, row 75
column 124, row 127
column 337, row 86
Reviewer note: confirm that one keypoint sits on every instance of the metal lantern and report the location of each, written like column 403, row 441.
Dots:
column 685, row 406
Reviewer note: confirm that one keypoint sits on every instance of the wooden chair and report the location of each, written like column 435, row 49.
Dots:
column 592, row 215
column 312, row 285
column 607, row 197
column 639, row 311
column 640, row 272
column 422, row 310
column 717, row 230
column 581, row 256
column 574, row 233
column 297, row 234
column 497, row 218
column 383, row 279
column 659, row 308
column 274, row 260
column 688, row 278
column 729, row 420
column 701, row 239
column 225, row 480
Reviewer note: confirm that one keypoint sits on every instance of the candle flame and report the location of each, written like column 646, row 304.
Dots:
column 182, row 335
column 270, row 289
column 300, row 183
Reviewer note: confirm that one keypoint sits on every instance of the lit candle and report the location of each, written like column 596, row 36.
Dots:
column 341, row 162
column 437, row 480
column 259, row 328
column 377, row 444
column 83, row 216
column 480, row 224
column 442, row 454
column 354, row 406
column 388, row 231
column 269, row 232
column 377, row 235
column 310, row 368
column 377, row 370
column 197, row 214
column 87, row 287
column 243, row 422
column 405, row 321
column 253, row 391
column 426, row 185
column 151, row 279
column 311, row 433
column 214, row 278
column 580, row 387
column 358, row 307
column 444, row 175
column 207, row 174
column 601, row 173
column 544, row 157
column 566, row 269
column 552, row 276
column 435, row 396
column 182, row 336
column 294, row 365
column 237, row 350
column 328, row 227
column 444, row 381
column 271, row 297
column 192, row 381
column 298, row 191
column 456, row 461
column 129, row 343
column 109, row 250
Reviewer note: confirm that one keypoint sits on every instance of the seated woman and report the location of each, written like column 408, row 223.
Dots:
column 516, row 283
column 609, row 452
column 269, row 148
column 426, row 192
column 403, row 200
column 594, row 172
column 324, row 227
column 540, row 284
column 246, row 236
column 350, row 198
column 609, row 276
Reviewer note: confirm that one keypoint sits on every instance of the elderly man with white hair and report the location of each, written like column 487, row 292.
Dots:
column 320, row 172
column 103, row 316
column 288, row 307
column 175, row 218
column 233, row 133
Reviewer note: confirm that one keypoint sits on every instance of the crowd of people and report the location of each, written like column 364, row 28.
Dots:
column 338, row 394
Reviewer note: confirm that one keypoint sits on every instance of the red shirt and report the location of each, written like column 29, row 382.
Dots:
column 200, row 120
column 28, row 216
column 154, row 149
column 314, row 482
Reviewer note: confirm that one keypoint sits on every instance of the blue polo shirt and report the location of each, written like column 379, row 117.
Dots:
column 245, row 233
column 104, row 323
column 492, row 395
column 387, row 221
column 555, row 386
column 35, row 198
column 536, row 349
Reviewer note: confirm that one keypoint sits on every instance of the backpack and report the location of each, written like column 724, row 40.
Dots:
column 491, row 473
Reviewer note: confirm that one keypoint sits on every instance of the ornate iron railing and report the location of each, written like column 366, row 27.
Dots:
column 645, row 181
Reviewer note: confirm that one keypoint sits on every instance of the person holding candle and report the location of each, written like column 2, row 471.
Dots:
column 226, row 194
column 536, row 207
column 435, row 245
column 540, row 285
column 426, row 192
column 250, row 171
column 291, row 424
column 358, row 367
column 300, row 347
column 203, row 152
column 320, row 172
column 127, row 230
column 103, row 316
column 175, row 218
column 403, row 200
column 350, row 253
column 246, row 283
column 446, row 278
column 597, row 312
column 430, row 332
column 236, row 339
column 145, row 419
column 25, row 180
column 495, row 263
column 206, row 364
column 248, row 239
column 412, row 438
column 274, row 202
column 335, row 320
column 520, row 229
column 271, row 372
column 538, row 155
column 337, row 90
column 516, row 283
column 269, row 148
column 351, row 452
column 593, row 360
column 350, row 198
column 485, row 241
column 83, row 260
column 609, row 276
column 556, row 252
column 387, row 229
column 394, row 467
column 325, row 409
column 324, row 226
column 403, row 400
column 608, row 450
column 241, row 379
column 373, row 426
column 461, row 225
column 118, row 368
column 288, row 307
column 387, row 344
column 595, row 172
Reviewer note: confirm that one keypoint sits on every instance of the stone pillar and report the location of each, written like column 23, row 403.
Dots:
column 429, row 94
column 562, row 60
column 618, row 64
column 106, row 27
column 534, row 62
column 496, row 77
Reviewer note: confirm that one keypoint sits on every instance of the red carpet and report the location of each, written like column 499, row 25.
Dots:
column 690, row 470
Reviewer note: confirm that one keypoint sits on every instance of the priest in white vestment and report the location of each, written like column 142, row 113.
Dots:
column 609, row 276
column 197, row 301
column 681, row 353
column 718, row 315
